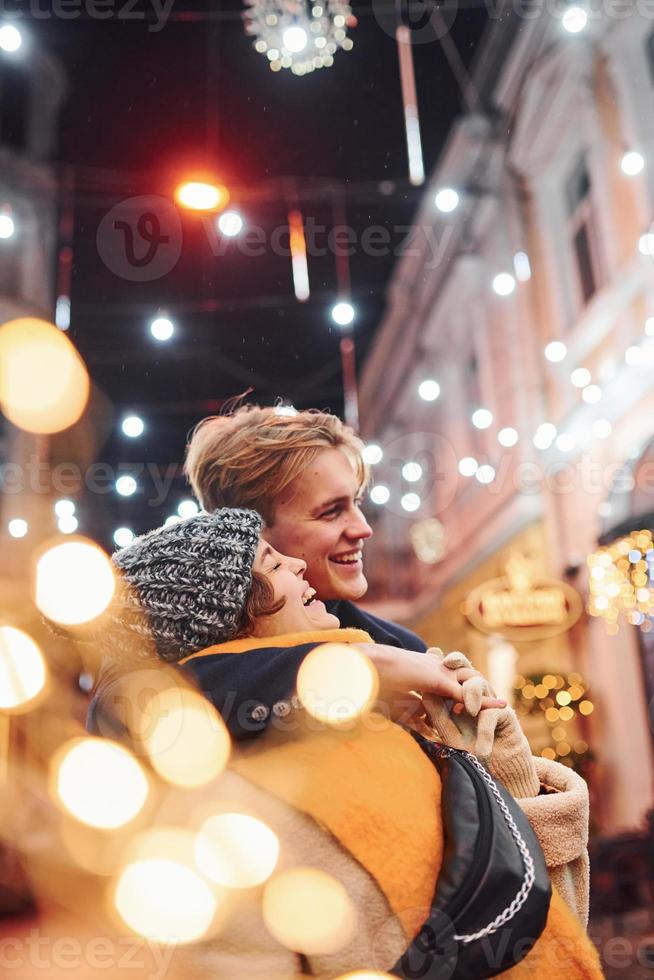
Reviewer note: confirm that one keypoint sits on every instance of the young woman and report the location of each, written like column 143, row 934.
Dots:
column 213, row 597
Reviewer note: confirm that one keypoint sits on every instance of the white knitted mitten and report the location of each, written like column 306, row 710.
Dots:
column 494, row 735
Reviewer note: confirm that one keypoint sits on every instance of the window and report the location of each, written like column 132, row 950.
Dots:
column 473, row 400
column 649, row 44
column 582, row 232
column 14, row 94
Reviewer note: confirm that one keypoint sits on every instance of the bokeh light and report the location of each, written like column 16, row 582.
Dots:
column 18, row 527
column 160, row 894
column 74, row 582
column 202, row 196
column 44, row 384
column 98, row 782
column 185, row 737
column 336, row 683
column 23, row 672
column 308, row 911
column 236, row 850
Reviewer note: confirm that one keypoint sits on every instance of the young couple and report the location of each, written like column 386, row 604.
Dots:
column 236, row 597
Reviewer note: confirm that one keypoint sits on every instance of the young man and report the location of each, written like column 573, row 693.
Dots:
column 306, row 476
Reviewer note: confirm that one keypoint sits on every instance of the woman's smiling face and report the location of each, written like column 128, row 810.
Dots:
column 320, row 521
column 301, row 612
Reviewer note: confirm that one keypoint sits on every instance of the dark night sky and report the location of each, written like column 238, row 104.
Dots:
column 145, row 106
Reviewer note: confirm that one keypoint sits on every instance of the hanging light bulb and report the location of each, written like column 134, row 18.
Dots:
column 299, row 34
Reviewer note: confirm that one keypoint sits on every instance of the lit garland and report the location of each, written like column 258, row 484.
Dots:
column 299, row 34
column 620, row 581
column 560, row 700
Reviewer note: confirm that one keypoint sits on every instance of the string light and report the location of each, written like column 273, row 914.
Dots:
column 429, row 390
column 646, row 244
column 187, row 508
column 565, row 442
column 343, row 314
column 126, row 486
column 556, row 351
column 410, row 502
column 133, row 426
column 160, row 892
column 482, row 418
column 633, row 356
column 236, row 850
column 468, row 466
column 602, row 428
column 412, row 472
column 64, row 508
column 557, row 699
column 503, row 284
column 446, row 200
column 99, row 782
column 485, row 474
column 372, row 453
column 591, row 394
column 337, row 683
column 619, row 580
column 580, row 377
column 11, row 39
column 545, row 435
column 185, row 737
column 632, row 163
column 44, row 384
column 308, row 910
column 68, row 524
column 507, row 437
column 23, row 672
column 123, row 536
column 300, row 35
column 574, row 20
column 18, row 527
column 74, row 582
column 162, row 328
column 7, row 226
column 380, row 494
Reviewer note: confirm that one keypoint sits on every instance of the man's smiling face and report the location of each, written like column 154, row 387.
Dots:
column 319, row 520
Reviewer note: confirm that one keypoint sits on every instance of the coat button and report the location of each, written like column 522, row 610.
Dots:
column 260, row 712
column 281, row 709
column 295, row 702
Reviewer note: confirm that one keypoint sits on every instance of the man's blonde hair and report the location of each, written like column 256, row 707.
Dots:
column 251, row 456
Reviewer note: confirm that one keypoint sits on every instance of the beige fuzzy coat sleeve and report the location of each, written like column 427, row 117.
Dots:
column 559, row 819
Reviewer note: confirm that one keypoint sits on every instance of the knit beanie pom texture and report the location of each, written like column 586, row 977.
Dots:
column 184, row 587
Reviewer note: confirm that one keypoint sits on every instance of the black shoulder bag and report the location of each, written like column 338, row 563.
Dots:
column 493, row 892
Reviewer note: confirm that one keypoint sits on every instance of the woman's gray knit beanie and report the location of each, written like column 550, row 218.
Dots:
column 185, row 585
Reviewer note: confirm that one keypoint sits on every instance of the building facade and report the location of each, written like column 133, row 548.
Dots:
column 32, row 90
column 532, row 300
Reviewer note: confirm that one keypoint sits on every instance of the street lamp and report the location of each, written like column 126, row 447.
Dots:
column 198, row 195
